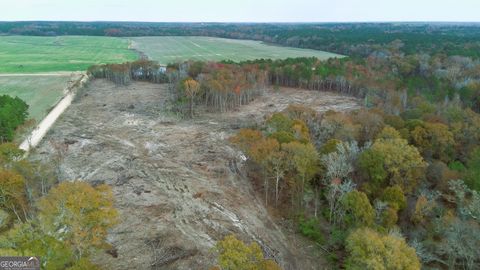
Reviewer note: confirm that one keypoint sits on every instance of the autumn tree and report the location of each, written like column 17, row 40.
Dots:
column 388, row 217
column 371, row 167
column 369, row 250
column 78, row 214
column 191, row 88
column 388, row 133
column 387, row 205
column 304, row 160
column 264, row 152
column 402, row 161
column 336, row 125
column 12, row 194
column 9, row 152
column 224, row 86
column 301, row 112
column 246, row 138
column 28, row 238
column 434, row 140
column 394, row 197
column 286, row 129
column 358, row 210
column 279, row 122
column 282, row 136
column 233, row 254
column 267, row 154
column 370, row 124
column 329, row 147
column 38, row 177
column 423, row 207
column 195, row 68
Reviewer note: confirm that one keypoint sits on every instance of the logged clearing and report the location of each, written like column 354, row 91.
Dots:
column 172, row 49
column 29, row 54
column 40, row 92
column 179, row 185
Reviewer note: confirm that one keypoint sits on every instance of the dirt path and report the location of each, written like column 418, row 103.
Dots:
column 59, row 73
column 179, row 183
column 39, row 132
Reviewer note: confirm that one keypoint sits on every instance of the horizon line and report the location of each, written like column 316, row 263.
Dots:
column 241, row 22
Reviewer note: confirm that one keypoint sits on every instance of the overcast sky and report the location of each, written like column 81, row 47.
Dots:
column 241, row 10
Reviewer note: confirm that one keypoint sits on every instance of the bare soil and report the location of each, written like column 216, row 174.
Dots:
column 179, row 185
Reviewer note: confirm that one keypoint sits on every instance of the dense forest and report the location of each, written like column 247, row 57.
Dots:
column 353, row 39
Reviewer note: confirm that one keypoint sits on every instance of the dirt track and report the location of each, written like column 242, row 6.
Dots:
column 59, row 73
column 36, row 135
column 176, row 181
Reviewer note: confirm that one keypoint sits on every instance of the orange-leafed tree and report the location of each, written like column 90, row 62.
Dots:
column 78, row 214
column 192, row 88
column 246, row 138
column 263, row 153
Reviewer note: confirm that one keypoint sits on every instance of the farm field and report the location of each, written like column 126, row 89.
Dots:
column 29, row 54
column 40, row 92
column 170, row 49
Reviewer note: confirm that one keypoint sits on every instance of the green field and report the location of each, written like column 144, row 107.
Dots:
column 27, row 54
column 173, row 49
column 40, row 92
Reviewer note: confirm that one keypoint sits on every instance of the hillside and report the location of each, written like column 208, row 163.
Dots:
column 178, row 181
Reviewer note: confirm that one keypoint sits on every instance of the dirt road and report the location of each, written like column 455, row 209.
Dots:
column 59, row 73
column 178, row 184
column 35, row 137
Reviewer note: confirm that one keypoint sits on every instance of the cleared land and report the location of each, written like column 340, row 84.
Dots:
column 178, row 182
column 39, row 92
column 173, row 49
column 27, row 54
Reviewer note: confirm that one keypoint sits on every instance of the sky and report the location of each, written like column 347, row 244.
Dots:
column 241, row 10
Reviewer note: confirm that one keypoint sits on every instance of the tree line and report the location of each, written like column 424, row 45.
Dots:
column 353, row 39
column 123, row 74
column 217, row 86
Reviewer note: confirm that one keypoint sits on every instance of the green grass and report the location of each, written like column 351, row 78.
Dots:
column 27, row 54
column 173, row 49
column 40, row 92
